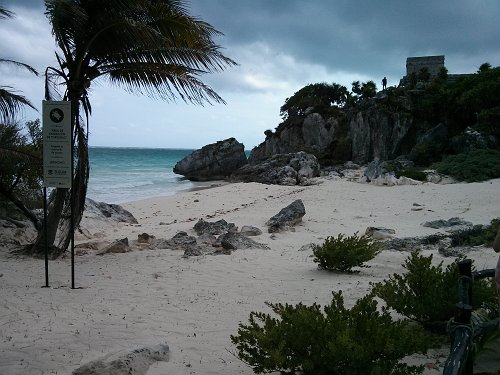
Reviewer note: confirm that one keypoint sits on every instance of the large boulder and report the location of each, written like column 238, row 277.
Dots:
column 215, row 161
column 283, row 169
column 287, row 217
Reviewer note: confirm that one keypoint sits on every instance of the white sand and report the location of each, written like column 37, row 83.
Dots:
column 194, row 305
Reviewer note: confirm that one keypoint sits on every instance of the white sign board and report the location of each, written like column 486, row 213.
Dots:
column 56, row 144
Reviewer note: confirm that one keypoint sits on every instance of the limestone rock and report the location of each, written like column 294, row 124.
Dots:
column 247, row 231
column 233, row 241
column 282, row 169
column 312, row 134
column 288, row 216
column 119, row 246
column 215, row 161
column 379, row 233
column 136, row 362
column 218, row 227
column 112, row 212
column 178, row 242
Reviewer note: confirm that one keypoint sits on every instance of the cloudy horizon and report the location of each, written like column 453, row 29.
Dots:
column 280, row 46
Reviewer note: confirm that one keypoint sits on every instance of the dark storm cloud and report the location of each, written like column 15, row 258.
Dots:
column 365, row 36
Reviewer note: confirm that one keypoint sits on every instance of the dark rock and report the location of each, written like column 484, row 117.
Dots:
column 193, row 251
column 178, row 242
column 453, row 222
column 455, row 251
column 430, row 144
column 233, row 241
column 283, row 169
column 213, row 162
column 375, row 169
column 145, row 238
column 414, row 243
column 215, row 228
column 288, row 216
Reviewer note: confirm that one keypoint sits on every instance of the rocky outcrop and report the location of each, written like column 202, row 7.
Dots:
column 218, row 227
column 379, row 134
column 313, row 134
column 283, row 169
column 215, row 161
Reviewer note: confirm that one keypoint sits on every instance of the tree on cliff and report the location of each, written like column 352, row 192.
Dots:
column 10, row 102
column 320, row 96
column 151, row 47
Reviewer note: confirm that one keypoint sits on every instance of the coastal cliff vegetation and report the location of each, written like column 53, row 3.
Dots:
column 424, row 119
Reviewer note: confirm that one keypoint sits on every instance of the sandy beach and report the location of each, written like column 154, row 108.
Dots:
column 145, row 298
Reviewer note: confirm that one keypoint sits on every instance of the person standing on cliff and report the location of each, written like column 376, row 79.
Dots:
column 384, row 83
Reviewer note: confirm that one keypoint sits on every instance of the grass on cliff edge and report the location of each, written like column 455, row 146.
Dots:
column 475, row 166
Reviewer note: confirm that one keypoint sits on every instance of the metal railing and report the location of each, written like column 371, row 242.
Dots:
column 466, row 325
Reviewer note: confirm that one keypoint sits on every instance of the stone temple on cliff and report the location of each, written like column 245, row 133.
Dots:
column 433, row 64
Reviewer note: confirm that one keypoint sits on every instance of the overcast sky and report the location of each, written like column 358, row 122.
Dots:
column 281, row 46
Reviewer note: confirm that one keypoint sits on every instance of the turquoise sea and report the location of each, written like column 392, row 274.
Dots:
column 119, row 175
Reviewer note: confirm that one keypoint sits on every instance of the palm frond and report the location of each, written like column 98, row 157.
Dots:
column 163, row 81
column 20, row 65
column 153, row 35
column 4, row 13
column 11, row 103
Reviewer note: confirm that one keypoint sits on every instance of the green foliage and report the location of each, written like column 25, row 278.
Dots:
column 477, row 235
column 21, row 162
column 304, row 339
column 321, row 96
column 344, row 253
column 476, row 165
column 427, row 293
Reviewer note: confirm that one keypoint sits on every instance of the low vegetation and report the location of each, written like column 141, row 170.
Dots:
column 477, row 235
column 344, row 253
column 427, row 294
column 474, row 166
column 334, row 340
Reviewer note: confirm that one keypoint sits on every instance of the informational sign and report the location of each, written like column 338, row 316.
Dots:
column 56, row 127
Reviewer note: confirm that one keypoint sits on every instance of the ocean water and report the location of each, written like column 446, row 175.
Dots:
column 119, row 175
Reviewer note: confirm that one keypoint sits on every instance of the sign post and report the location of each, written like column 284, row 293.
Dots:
column 57, row 157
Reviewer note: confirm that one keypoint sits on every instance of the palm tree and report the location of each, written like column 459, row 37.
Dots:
column 151, row 47
column 10, row 101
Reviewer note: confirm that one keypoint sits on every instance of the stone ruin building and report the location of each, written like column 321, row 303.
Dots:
column 433, row 64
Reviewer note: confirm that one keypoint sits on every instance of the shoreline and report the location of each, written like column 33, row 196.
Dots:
column 147, row 297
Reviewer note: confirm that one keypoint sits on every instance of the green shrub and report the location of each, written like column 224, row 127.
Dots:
column 306, row 340
column 477, row 165
column 428, row 294
column 344, row 253
column 477, row 235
